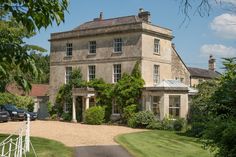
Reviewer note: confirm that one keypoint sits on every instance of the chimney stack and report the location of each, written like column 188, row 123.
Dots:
column 212, row 63
column 144, row 15
column 101, row 16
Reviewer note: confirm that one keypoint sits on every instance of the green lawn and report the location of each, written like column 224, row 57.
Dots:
column 161, row 144
column 47, row 148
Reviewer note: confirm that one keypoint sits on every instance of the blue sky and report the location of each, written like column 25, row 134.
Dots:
column 195, row 39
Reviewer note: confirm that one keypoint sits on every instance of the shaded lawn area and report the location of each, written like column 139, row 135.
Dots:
column 46, row 148
column 161, row 144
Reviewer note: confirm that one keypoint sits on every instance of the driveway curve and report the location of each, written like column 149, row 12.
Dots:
column 71, row 134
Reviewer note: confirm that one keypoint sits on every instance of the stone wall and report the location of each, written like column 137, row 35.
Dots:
column 178, row 69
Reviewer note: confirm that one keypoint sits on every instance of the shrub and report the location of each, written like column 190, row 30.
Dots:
column 132, row 122
column 168, row 124
column 66, row 116
column 95, row 115
column 143, row 118
column 54, row 117
column 25, row 102
column 128, row 112
column 178, row 124
column 155, row 125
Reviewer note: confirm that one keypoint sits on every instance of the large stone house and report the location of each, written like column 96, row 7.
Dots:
column 106, row 48
column 198, row 75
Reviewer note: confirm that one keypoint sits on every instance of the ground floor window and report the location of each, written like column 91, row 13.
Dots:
column 66, row 107
column 174, row 106
column 115, row 108
column 156, row 105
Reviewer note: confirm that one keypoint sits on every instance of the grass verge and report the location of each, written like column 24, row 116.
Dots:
column 161, row 144
column 46, row 148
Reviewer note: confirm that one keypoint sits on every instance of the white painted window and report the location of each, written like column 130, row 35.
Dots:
column 92, row 47
column 156, row 74
column 118, row 45
column 69, row 49
column 115, row 108
column 68, row 74
column 174, row 106
column 156, row 105
column 116, row 72
column 66, row 107
column 91, row 72
column 156, row 46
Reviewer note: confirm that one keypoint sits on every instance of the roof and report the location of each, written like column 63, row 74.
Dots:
column 204, row 73
column 171, row 83
column 109, row 22
column 39, row 90
column 36, row 91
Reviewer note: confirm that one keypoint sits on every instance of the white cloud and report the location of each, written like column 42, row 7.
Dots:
column 218, row 50
column 225, row 25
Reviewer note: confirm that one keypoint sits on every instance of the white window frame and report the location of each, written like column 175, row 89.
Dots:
column 115, row 108
column 69, row 49
column 156, row 74
column 156, row 105
column 66, row 107
column 91, row 72
column 118, row 45
column 68, row 74
column 92, row 47
column 116, row 72
column 175, row 106
column 156, row 46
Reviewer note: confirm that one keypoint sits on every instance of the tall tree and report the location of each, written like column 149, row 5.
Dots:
column 29, row 16
column 35, row 14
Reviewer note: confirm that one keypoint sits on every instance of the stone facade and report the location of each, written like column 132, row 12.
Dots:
column 138, row 44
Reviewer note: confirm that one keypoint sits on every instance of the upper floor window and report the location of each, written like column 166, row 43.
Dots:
column 157, row 46
column 118, row 45
column 68, row 74
column 91, row 72
column 92, row 47
column 116, row 72
column 174, row 106
column 156, row 74
column 69, row 49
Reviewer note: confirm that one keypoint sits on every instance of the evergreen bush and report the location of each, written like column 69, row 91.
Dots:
column 95, row 115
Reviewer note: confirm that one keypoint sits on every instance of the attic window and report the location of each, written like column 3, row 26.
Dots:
column 69, row 49
column 118, row 45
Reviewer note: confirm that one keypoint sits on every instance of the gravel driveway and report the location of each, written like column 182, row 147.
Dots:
column 71, row 134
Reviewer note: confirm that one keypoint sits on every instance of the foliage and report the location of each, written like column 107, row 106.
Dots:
column 132, row 122
column 142, row 119
column 35, row 14
column 128, row 112
column 198, row 116
column 15, row 62
column 66, row 116
column 25, row 102
column 219, row 130
column 155, row 125
column 43, row 64
column 54, row 117
column 104, row 95
column 179, row 124
column 128, row 88
column 64, row 94
column 95, row 115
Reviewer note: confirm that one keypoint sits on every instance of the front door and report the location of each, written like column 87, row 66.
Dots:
column 79, row 108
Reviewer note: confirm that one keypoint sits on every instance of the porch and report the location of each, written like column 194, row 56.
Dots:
column 87, row 94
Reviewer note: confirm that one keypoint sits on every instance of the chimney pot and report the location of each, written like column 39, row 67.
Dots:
column 211, row 63
column 101, row 16
column 144, row 15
